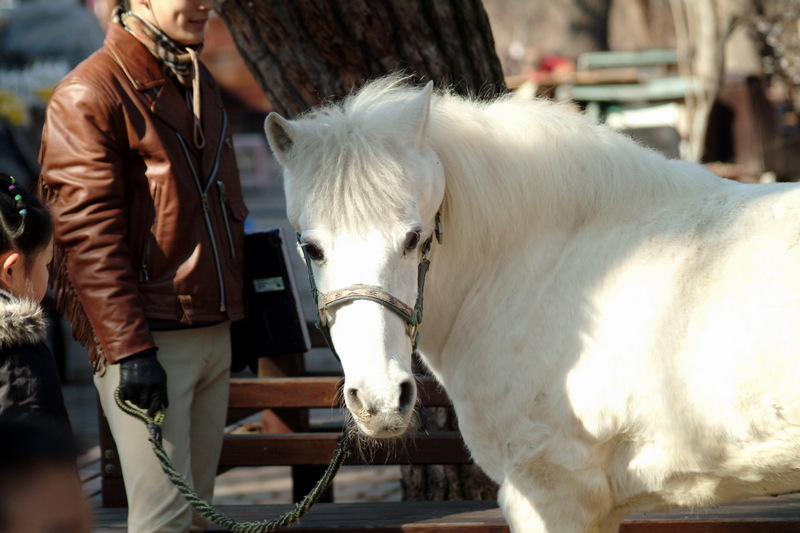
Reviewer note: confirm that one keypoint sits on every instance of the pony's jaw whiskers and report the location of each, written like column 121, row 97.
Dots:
column 368, row 442
column 386, row 431
column 384, row 427
column 366, row 446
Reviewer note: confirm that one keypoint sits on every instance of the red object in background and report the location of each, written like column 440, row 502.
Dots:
column 550, row 63
column 552, row 69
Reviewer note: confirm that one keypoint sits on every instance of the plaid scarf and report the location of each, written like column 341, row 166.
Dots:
column 181, row 60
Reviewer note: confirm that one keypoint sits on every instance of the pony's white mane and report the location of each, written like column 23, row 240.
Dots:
column 355, row 156
column 558, row 151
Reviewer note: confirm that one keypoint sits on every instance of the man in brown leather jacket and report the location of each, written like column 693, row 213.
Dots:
column 139, row 171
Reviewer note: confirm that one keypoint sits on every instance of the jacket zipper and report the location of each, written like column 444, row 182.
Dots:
column 224, row 206
column 203, row 192
column 144, row 275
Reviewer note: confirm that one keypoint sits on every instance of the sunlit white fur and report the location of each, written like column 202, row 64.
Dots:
column 618, row 332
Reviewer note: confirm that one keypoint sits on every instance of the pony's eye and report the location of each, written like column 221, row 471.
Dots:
column 412, row 240
column 313, row 251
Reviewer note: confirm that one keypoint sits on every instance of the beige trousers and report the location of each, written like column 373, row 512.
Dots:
column 197, row 362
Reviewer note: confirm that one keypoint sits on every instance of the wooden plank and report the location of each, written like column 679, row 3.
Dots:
column 318, row 448
column 703, row 526
column 260, row 393
column 767, row 514
column 89, row 464
column 296, row 392
column 89, row 470
column 416, row 517
column 761, row 515
column 397, row 517
column 290, row 420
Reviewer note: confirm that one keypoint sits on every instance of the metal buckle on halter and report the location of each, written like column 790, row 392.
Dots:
column 413, row 333
column 323, row 316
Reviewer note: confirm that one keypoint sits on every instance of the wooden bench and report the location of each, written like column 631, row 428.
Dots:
column 664, row 86
column 316, row 448
column 309, row 448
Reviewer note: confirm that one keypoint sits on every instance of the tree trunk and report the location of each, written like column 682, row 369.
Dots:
column 305, row 51
column 701, row 27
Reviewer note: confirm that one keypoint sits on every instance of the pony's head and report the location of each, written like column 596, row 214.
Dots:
column 362, row 189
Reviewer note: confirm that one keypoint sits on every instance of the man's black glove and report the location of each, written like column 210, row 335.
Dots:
column 143, row 382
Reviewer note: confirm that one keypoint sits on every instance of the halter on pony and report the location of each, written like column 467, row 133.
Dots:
column 359, row 291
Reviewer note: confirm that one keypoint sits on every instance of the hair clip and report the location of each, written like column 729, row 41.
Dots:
column 12, row 189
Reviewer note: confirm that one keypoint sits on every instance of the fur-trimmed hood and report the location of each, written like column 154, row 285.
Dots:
column 22, row 321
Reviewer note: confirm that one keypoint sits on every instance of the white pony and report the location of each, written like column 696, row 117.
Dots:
column 618, row 332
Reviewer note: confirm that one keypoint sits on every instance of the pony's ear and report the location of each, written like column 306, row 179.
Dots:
column 280, row 134
column 420, row 111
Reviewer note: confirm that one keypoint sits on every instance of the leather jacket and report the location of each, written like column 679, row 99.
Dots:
column 149, row 227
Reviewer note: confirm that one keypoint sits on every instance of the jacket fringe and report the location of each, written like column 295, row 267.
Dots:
column 69, row 306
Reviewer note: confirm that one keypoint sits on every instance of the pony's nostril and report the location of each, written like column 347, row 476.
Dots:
column 407, row 393
column 353, row 399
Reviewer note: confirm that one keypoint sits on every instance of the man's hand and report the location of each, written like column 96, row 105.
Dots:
column 143, row 382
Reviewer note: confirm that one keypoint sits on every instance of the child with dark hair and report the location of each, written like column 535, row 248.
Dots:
column 29, row 383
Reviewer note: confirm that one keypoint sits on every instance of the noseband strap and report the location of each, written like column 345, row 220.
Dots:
column 411, row 316
column 363, row 292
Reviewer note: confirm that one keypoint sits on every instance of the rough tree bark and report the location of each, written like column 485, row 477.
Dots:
column 305, row 51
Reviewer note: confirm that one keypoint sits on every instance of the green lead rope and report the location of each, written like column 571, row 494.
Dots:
column 206, row 509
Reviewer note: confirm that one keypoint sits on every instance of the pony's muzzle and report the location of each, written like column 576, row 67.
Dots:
column 385, row 415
